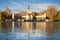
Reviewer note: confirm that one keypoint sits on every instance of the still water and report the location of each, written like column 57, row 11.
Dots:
column 29, row 30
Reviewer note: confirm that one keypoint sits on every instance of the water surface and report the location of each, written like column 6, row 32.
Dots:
column 29, row 30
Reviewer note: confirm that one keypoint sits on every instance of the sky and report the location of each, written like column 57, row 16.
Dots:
column 35, row 5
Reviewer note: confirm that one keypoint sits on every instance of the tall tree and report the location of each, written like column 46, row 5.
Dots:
column 7, row 11
column 52, row 11
column 58, row 15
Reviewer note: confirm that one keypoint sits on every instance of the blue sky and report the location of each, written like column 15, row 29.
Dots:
column 36, row 5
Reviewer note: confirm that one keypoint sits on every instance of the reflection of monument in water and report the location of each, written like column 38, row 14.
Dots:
column 33, row 26
column 44, row 26
column 13, row 26
column 28, row 26
column 23, row 26
column 41, row 26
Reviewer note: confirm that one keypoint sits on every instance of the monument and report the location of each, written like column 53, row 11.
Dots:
column 28, row 15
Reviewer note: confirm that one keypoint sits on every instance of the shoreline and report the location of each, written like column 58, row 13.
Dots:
column 28, row 21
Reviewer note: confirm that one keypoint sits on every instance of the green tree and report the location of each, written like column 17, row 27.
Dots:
column 57, row 17
column 51, row 12
column 2, row 16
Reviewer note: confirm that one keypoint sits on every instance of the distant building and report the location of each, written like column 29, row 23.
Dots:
column 29, row 16
column 28, row 13
column 41, row 17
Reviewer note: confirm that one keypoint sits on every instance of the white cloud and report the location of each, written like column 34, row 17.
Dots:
column 35, row 7
column 42, row 7
column 58, row 7
column 15, row 3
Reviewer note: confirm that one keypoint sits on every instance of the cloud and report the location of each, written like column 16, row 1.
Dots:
column 58, row 7
column 15, row 3
column 42, row 7
column 34, row 7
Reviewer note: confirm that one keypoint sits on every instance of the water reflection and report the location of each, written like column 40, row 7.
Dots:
column 0, row 26
column 33, row 26
column 34, row 30
column 12, row 26
column 51, row 29
column 41, row 26
column 5, row 26
column 19, row 26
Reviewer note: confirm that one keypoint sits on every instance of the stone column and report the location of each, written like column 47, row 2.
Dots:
column 31, row 17
column 12, row 16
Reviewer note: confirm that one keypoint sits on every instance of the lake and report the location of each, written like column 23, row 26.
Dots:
column 29, row 30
